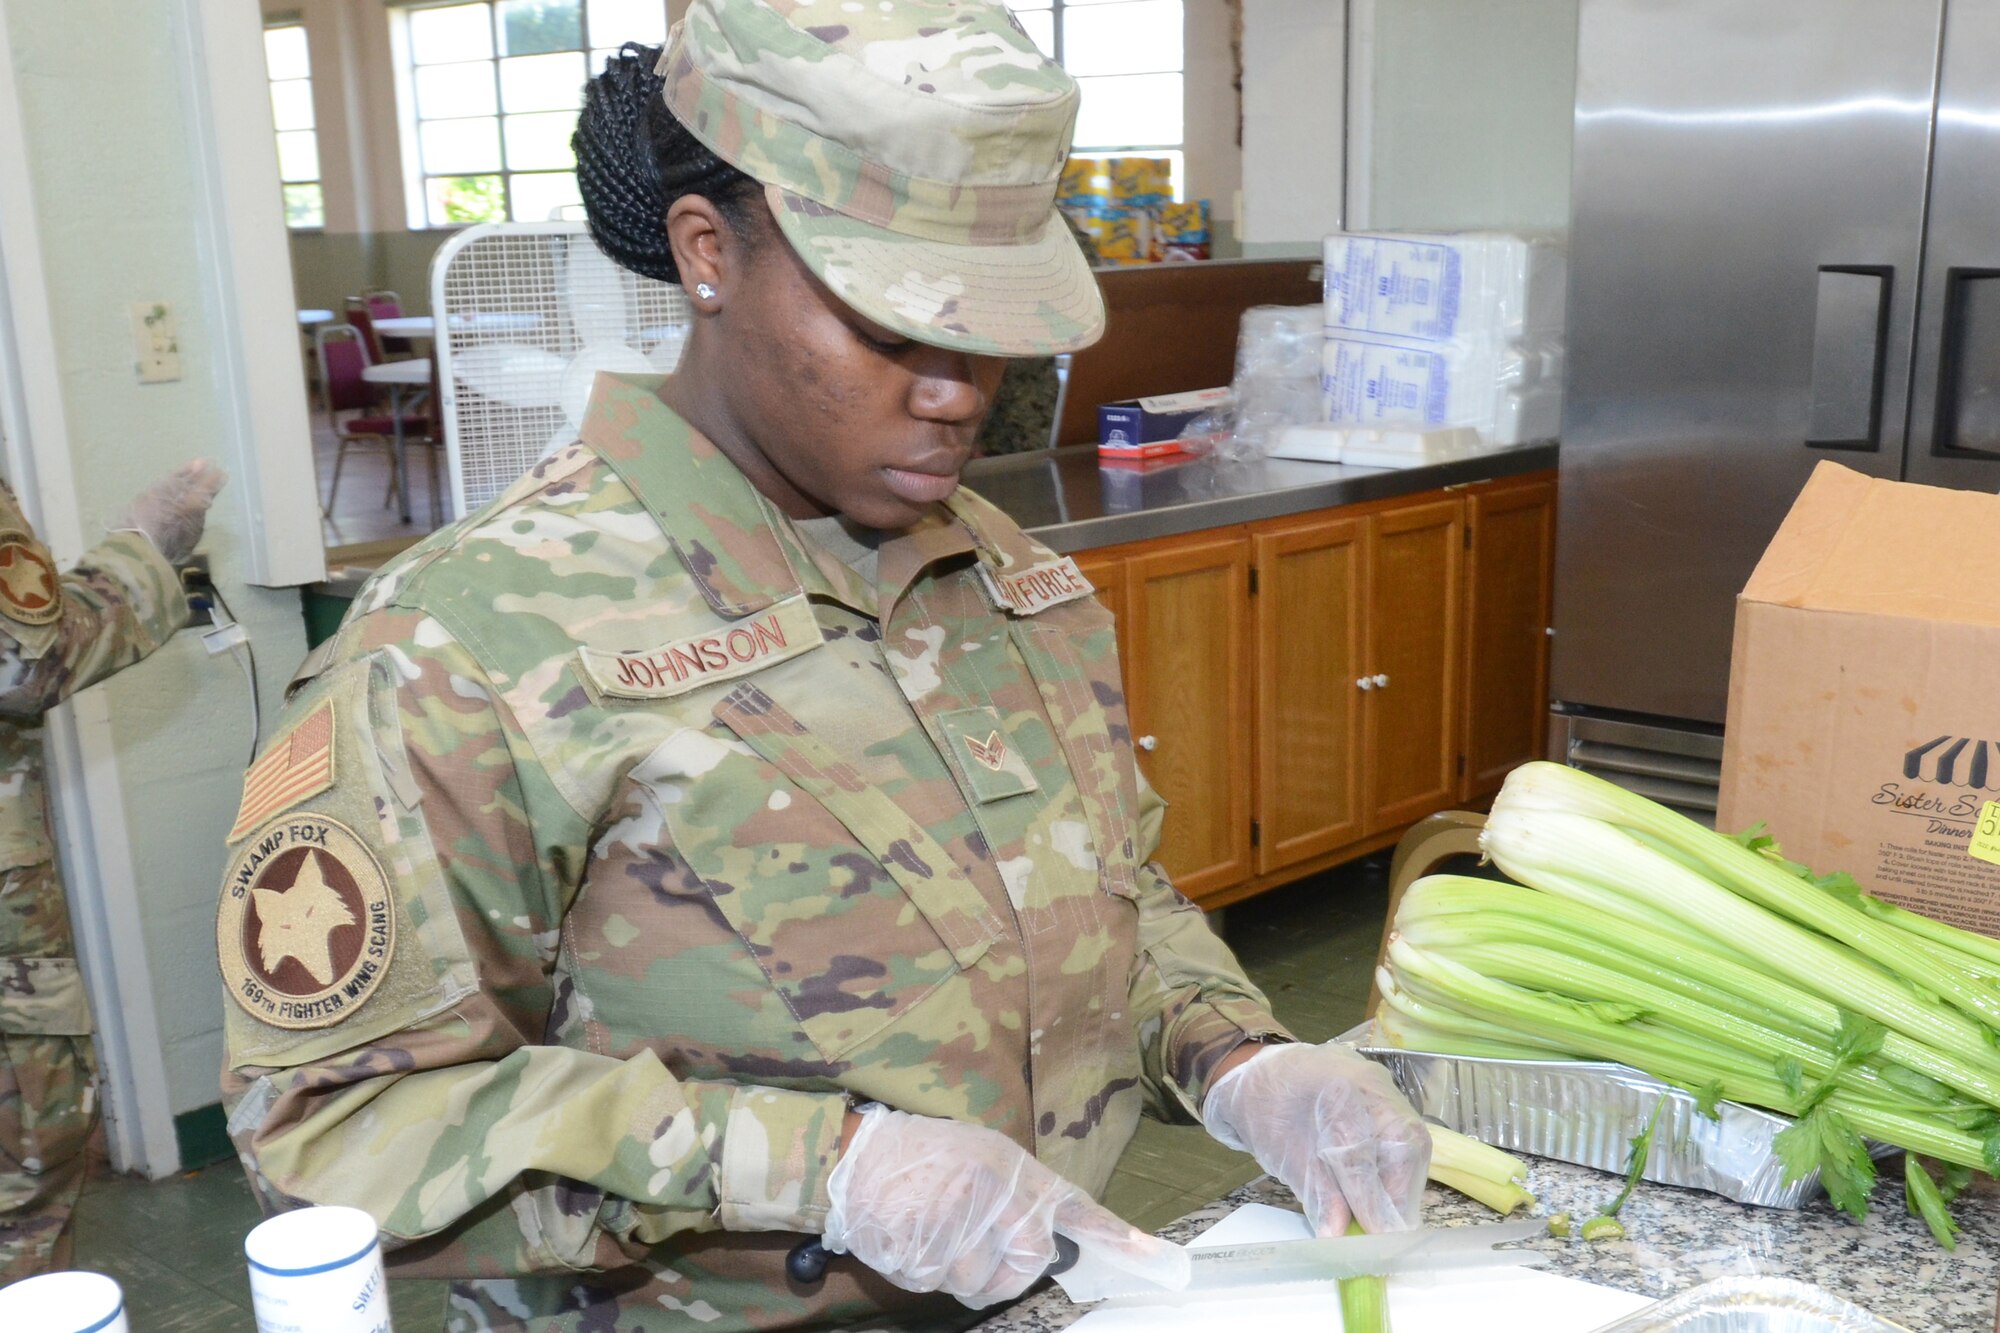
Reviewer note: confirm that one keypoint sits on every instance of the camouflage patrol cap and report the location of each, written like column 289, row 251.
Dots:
column 910, row 150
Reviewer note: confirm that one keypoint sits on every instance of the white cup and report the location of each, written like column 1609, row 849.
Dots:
column 63, row 1303
column 318, row 1270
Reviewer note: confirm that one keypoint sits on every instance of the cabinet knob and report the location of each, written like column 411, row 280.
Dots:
column 1364, row 684
column 1149, row 742
column 1381, row 682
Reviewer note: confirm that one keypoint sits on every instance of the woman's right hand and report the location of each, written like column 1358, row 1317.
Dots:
column 937, row 1205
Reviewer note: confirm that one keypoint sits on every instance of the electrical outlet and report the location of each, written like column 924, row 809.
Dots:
column 195, row 579
column 156, row 342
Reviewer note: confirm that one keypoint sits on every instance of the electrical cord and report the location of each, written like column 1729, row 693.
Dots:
column 218, row 639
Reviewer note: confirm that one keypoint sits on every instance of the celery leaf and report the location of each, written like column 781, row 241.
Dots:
column 1756, row 838
column 1857, row 1039
column 1822, row 1140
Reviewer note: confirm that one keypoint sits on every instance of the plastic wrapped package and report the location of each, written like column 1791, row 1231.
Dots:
column 1277, row 381
column 1495, row 389
column 1444, row 330
column 1441, row 287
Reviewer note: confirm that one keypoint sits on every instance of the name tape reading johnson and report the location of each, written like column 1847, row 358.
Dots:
column 1038, row 587
column 306, row 929
column 753, row 643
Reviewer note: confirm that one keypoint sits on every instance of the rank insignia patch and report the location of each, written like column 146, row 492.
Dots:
column 991, row 752
column 306, row 929
column 29, row 589
column 992, row 767
column 297, row 765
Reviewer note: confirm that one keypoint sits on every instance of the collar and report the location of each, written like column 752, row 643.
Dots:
column 739, row 549
column 714, row 518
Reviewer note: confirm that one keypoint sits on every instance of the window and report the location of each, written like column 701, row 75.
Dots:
column 1126, row 58
column 289, row 66
column 490, row 92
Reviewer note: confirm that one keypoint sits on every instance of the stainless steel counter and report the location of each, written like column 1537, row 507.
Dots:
column 1071, row 502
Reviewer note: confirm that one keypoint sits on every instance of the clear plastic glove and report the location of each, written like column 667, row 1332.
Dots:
column 1333, row 1127
column 936, row 1205
column 171, row 513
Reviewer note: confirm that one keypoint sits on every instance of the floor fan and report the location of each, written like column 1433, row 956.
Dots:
column 527, row 315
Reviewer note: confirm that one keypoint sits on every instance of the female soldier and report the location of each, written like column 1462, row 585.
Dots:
column 731, row 832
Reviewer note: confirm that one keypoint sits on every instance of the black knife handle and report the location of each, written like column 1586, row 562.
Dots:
column 807, row 1262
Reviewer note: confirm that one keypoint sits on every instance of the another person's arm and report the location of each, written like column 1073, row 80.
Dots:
column 59, row 634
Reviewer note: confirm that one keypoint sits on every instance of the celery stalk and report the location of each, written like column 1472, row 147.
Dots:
column 1478, row 1170
column 1364, row 1301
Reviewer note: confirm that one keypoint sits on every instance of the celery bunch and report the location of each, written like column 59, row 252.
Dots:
column 1636, row 935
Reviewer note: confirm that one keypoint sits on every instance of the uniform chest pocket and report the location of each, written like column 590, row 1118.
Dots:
column 1070, row 651
column 852, row 910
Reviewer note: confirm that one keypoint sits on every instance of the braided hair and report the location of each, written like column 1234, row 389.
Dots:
column 634, row 158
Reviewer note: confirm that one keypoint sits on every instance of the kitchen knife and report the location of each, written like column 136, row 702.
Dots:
column 1228, row 1269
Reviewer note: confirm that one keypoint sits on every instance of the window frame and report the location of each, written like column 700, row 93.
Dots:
column 409, row 117
column 1056, row 9
column 275, row 23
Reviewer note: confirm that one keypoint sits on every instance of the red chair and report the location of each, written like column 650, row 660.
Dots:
column 342, row 356
column 387, row 305
column 364, row 324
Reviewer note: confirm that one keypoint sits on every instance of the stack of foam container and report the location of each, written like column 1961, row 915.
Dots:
column 1445, row 329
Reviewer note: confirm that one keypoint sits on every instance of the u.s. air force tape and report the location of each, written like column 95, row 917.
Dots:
column 306, row 929
column 1038, row 587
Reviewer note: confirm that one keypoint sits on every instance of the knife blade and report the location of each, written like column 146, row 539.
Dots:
column 1230, row 1268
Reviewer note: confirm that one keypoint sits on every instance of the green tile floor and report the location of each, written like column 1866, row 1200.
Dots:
column 176, row 1245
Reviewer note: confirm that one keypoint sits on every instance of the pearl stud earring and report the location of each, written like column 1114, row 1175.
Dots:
column 704, row 291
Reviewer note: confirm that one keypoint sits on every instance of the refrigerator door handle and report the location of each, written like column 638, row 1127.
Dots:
column 1850, row 339
column 1971, row 306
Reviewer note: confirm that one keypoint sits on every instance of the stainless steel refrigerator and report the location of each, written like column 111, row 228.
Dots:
column 1785, row 247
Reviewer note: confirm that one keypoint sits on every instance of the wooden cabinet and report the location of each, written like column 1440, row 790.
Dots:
column 1186, row 622
column 1410, row 733
column 1310, row 663
column 1511, row 528
column 1302, row 689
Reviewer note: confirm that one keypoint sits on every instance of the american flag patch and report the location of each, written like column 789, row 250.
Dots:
column 298, row 764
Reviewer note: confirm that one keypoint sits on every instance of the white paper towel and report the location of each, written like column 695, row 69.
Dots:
column 1445, row 329
column 1442, row 287
column 1507, row 1300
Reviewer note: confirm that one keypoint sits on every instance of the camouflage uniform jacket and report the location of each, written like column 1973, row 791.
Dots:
column 654, row 839
column 57, row 635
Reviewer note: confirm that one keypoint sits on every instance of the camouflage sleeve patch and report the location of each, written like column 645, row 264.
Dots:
column 30, row 591
column 121, row 602
column 335, row 927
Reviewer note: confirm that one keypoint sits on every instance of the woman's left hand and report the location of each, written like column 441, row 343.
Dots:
column 1333, row 1127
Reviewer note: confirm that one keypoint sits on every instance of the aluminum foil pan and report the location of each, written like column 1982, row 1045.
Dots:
column 1588, row 1113
column 1753, row 1305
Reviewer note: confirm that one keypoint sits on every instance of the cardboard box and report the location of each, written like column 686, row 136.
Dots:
column 1145, row 427
column 1864, row 691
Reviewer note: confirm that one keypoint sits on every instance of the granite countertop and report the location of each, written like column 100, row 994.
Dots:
column 1679, row 1238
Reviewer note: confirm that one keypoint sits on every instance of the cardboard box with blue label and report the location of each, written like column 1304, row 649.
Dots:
column 1145, row 427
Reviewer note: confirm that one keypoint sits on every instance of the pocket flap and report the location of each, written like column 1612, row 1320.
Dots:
column 43, row 996
column 941, row 891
